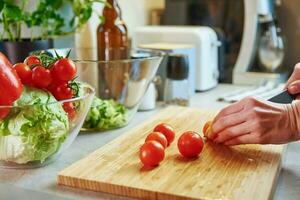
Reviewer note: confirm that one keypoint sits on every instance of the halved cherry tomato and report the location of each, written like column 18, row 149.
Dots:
column 167, row 130
column 63, row 92
column 41, row 77
column 159, row 137
column 206, row 128
column 24, row 73
column 64, row 69
column 32, row 61
column 152, row 153
column 190, row 144
column 69, row 109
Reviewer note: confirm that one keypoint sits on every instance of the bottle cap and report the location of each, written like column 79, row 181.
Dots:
column 177, row 67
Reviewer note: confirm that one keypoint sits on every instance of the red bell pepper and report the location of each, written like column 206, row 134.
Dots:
column 10, row 85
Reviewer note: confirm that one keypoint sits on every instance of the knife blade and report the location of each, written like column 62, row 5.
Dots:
column 283, row 97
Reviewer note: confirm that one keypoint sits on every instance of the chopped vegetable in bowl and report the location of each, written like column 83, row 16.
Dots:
column 105, row 114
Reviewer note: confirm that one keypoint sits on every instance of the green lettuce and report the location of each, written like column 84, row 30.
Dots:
column 34, row 131
column 105, row 114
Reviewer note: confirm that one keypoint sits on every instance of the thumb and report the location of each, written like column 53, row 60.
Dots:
column 294, row 87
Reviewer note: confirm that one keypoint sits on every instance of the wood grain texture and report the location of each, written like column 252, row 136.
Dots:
column 242, row 172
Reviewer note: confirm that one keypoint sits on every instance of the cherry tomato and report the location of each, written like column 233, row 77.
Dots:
column 64, row 69
column 63, row 92
column 41, row 77
column 24, row 72
column 152, row 153
column 167, row 130
column 206, row 128
column 70, row 109
column 159, row 137
column 32, row 61
column 190, row 144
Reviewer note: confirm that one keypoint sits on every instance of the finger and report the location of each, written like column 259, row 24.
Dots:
column 233, row 132
column 244, row 139
column 227, row 121
column 295, row 75
column 233, row 108
column 294, row 87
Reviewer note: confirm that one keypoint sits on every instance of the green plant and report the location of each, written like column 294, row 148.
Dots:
column 46, row 16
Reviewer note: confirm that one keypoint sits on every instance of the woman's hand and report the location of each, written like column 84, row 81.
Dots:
column 253, row 121
column 293, row 84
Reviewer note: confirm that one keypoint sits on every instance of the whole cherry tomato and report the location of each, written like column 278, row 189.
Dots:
column 63, row 92
column 167, row 130
column 24, row 72
column 32, row 61
column 41, row 77
column 69, row 109
column 64, row 69
column 159, row 137
column 152, row 153
column 190, row 144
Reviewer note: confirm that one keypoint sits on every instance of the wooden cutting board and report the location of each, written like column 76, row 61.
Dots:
column 244, row 172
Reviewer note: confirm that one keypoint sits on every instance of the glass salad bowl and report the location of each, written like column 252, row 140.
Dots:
column 38, row 128
column 120, row 84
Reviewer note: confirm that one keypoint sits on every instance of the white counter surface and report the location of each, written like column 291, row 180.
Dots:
column 43, row 180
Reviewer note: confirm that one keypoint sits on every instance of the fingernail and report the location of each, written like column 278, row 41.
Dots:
column 293, row 89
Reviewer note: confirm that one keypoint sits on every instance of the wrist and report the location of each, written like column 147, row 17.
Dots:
column 293, row 120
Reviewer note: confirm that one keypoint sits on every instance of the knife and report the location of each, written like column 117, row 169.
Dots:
column 284, row 98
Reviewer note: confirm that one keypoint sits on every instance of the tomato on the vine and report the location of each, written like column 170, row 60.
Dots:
column 152, row 153
column 63, row 92
column 64, row 69
column 167, row 130
column 32, row 61
column 41, row 77
column 69, row 109
column 24, row 72
column 190, row 144
column 159, row 137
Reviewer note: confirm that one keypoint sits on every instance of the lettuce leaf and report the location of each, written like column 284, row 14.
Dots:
column 36, row 130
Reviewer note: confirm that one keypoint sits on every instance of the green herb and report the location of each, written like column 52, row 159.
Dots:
column 46, row 15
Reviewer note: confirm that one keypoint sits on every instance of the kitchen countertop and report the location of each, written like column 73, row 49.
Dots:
column 24, row 184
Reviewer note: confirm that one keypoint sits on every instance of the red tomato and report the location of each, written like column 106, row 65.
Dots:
column 4, row 111
column 206, row 128
column 64, row 69
column 24, row 73
column 63, row 92
column 190, row 144
column 32, row 61
column 167, row 130
column 152, row 153
column 69, row 109
column 41, row 77
column 10, row 84
column 159, row 137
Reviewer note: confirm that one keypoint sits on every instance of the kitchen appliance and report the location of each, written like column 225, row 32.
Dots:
column 244, row 172
column 252, row 44
column 204, row 72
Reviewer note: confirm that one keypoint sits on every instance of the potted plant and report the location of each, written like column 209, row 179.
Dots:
column 43, row 21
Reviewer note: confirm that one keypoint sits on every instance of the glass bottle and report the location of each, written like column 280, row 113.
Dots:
column 177, row 91
column 112, row 40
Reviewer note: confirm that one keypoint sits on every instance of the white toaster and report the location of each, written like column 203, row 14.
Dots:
column 204, row 40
